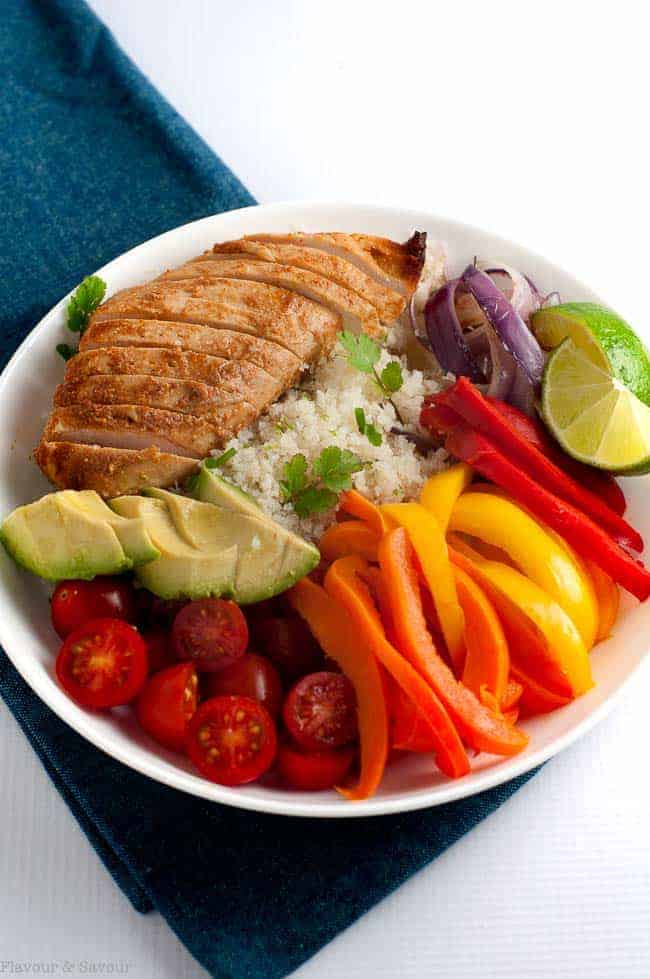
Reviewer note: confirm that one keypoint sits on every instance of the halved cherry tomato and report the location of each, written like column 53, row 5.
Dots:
column 160, row 652
column 103, row 663
column 289, row 645
column 251, row 676
column 154, row 612
column 315, row 771
column 211, row 632
column 76, row 602
column 321, row 711
column 231, row 740
column 167, row 703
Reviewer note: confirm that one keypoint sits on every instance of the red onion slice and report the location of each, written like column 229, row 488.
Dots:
column 520, row 291
column 445, row 333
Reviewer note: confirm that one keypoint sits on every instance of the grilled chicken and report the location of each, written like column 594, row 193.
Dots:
column 358, row 314
column 170, row 370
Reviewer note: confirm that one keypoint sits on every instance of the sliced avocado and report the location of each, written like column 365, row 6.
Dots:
column 182, row 570
column 270, row 558
column 210, row 487
column 132, row 534
column 55, row 539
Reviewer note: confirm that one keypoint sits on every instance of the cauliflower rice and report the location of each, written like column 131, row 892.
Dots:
column 320, row 413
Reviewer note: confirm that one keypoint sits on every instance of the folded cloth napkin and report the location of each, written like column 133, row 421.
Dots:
column 92, row 162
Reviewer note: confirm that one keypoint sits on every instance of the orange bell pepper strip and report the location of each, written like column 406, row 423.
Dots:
column 349, row 537
column 344, row 584
column 608, row 597
column 512, row 695
column 487, row 660
column 356, row 505
column 410, row 731
column 430, row 545
column 541, row 636
column 326, row 620
column 440, row 492
column 535, row 698
column 478, row 726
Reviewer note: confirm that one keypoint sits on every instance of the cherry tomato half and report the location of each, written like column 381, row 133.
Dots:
column 167, row 703
column 250, row 676
column 289, row 645
column 76, row 602
column 160, row 652
column 154, row 612
column 231, row 740
column 321, row 711
column 103, row 663
column 210, row 632
column 318, row 770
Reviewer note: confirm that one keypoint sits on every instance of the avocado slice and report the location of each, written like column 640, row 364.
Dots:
column 270, row 558
column 209, row 487
column 182, row 570
column 132, row 533
column 55, row 539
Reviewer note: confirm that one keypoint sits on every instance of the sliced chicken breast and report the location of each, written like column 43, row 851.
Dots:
column 397, row 266
column 133, row 427
column 236, row 380
column 108, row 471
column 304, row 327
column 388, row 302
column 185, row 396
column 358, row 314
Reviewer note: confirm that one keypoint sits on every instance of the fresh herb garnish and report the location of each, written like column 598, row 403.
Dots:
column 218, row 462
column 331, row 473
column 366, row 428
column 363, row 354
column 83, row 302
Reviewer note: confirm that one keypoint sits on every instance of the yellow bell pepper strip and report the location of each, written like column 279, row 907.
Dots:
column 344, row 584
column 479, row 727
column 429, row 543
column 356, row 505
column 500, row 522
column 326, row 620
column 440, row 492
column 542, row 639
column 349, row 537
column 608, row 597
column 487, row 660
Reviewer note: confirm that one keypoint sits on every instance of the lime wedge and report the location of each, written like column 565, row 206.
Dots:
column 592, row 414
column 604, row 337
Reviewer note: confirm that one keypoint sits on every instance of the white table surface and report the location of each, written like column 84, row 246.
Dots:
column 530, row 121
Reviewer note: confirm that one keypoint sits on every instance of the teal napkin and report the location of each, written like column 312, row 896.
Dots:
column 92, row 162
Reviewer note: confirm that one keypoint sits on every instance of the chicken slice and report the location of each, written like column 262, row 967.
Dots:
column 236, row 380
column 133, row 427
column 110, row 472
column 358, row 314
column 397, row 266
column 304, row 327
column 186, row 396
column 388, row 303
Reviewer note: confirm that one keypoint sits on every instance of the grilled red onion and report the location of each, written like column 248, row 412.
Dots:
column 445, row 333
column 520, row 291
column 495, row 362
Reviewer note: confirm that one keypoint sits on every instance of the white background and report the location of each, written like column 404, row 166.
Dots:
column 532, row 121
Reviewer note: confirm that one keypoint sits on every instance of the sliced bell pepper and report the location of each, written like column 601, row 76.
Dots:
column 344, row 584
column 601, row 483
column 349, row 537
column 356, row 505
column 487, row 661
column 478, row 726
column 585, row 536
column 512, row 695
column 410, row 732
column 542, row 639
column 326, row 620
column 440, row 492
column 536, row 699
column 608, row 597
column 501, row 523
column 430, row 545
column 483, row 416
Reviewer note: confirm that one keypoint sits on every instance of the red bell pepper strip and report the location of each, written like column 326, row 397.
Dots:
column 585, row 536
column 343, row 582
column 485, row 417
column 601, row 483
column 478, row 726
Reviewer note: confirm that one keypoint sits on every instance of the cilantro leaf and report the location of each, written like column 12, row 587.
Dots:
column 335, row 466
column 360, row 416
column 217, row 462
column 65, row 350
column 85, row 301
column 373, row 434
column 391, row 377
column 362, row 352
column 294, row 478
column 314, row 500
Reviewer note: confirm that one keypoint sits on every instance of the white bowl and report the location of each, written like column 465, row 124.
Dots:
column 26, row 389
